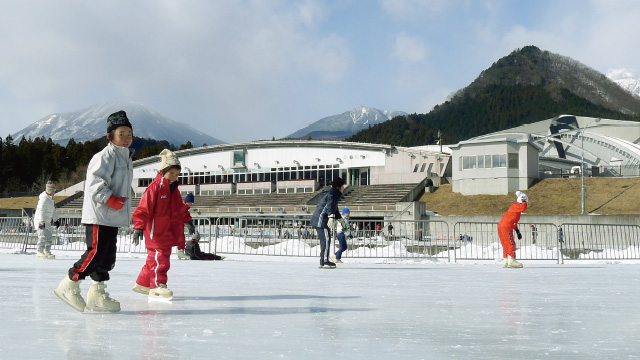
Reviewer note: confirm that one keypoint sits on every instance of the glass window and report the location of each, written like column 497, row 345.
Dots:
column 415, row 168
column 487, row 161
column 480, row 161
column 499, row 160
column 513, row 161
column 422, row 167
column 430, row 167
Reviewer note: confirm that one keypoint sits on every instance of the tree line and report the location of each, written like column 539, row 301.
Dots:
column 494, row 108
column 26, row 166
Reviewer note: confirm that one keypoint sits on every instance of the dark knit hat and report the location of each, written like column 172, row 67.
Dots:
column 116, row 120
column 189, row 198
column 337, row 182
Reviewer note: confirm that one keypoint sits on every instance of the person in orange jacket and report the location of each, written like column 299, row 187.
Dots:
column 507, row 225
column 161, row 216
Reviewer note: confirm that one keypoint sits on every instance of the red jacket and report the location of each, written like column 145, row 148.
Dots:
column 512, row 216
column 162, row 214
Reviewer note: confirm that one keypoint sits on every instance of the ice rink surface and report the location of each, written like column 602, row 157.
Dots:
column 287, row 308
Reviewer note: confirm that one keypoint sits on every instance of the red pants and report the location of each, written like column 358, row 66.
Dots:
column 155, row 269
column 508, row 242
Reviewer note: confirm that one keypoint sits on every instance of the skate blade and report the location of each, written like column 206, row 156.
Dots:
column 67, row 301
column 159, row 299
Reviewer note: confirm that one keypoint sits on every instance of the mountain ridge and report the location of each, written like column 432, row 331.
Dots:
column 525, row 86
column 89, row 123
column 343, row 125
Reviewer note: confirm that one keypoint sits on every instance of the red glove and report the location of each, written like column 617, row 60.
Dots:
column 116, row 202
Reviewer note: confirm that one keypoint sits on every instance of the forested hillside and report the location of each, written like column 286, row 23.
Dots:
column 27, row 165
column 526, row 86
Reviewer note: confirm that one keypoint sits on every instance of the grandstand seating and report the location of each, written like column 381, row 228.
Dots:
column 387, row 194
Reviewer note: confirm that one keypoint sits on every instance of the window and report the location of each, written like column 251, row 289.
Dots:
column 480, row 161
column 513, row 161
column 487, row 161
column 468, row 162
column 430, row 167
column 415, row 168
column 499, row 160
column 422, row 167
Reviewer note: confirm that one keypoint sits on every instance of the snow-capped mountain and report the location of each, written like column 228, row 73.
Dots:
column 91, row 123
column 626, row 80
column 346, row 124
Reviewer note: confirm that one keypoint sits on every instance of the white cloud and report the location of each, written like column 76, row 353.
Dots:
column 403, row 10
column 409, row 49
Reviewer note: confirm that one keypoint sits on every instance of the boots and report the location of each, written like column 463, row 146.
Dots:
column 160, row 293
column 512, row 263
column 69, row 292
column 506, row 262
column 183, row 256
column 46, row 254
column 99, row 300
column 141, row 289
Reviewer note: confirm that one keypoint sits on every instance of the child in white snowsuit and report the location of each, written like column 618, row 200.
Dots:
column 161, row 216
column 106, row 207
column 45, row 214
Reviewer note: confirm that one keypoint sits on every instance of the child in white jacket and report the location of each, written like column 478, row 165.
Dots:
column 45, row 214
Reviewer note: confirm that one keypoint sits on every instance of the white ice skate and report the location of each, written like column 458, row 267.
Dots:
column 69, row 292
column 160, row 293
column 49, row 255
column 141, row 289
column 183, row 256
column 512, row 263
column 41, row 255
column 99, row 300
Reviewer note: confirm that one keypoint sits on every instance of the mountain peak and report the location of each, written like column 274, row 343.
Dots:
column 90, row 123
column 626, row 79
column 346, row 124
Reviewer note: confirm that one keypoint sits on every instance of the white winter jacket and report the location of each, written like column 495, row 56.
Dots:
column 110, row 172
column 45, row 211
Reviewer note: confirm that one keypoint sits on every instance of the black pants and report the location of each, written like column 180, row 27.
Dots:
column 325, row 243
column 100, row 256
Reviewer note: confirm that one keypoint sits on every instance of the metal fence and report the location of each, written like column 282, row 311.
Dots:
column 294, row 237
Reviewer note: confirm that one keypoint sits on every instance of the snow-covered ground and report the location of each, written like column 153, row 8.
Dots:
column 258, row 307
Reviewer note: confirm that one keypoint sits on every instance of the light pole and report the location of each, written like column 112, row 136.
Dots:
column 582, row 162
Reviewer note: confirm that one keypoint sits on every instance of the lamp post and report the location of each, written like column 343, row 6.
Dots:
column 582, row 212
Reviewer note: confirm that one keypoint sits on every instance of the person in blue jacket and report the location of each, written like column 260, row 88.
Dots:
column 328, row 205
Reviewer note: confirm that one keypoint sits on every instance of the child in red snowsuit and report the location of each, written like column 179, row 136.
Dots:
column 161, row 215
column 507, row 225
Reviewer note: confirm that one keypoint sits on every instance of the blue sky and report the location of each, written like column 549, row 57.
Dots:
column 247, row 70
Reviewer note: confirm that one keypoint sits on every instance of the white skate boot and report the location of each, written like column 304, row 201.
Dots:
column 506, row 262
column 141, row 289
column 512, row 263
column 49, row 255
column 183, row 256
column 41, row 255
column 69, row 292
column 99, row 300
column 160, row 293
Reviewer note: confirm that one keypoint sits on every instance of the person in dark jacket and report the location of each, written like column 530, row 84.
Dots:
column 193, row 250
column 328, row 206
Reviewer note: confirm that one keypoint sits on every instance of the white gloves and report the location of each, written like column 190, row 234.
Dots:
column 521, row 197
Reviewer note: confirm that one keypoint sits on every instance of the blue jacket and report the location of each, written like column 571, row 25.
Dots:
column 328, row 205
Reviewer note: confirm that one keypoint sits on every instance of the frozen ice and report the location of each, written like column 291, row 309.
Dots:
column 261, row 307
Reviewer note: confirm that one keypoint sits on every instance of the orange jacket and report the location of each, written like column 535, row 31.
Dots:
column 512, row 216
